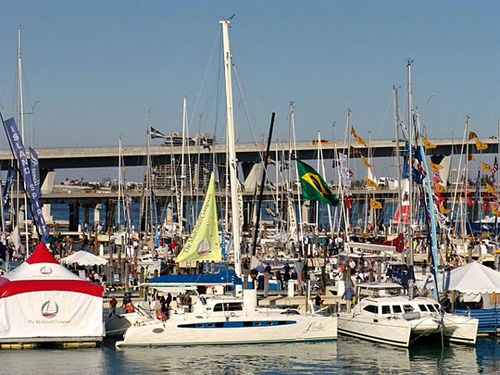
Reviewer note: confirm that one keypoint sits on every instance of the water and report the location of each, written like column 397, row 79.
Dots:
column 346, row 356
column 60, row 211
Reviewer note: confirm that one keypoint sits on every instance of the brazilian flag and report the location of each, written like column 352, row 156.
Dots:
column 314, row 188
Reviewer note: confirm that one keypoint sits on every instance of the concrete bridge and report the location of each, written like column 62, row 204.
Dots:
column 247, row 154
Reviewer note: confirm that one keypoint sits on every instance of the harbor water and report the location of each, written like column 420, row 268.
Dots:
column 345, row 356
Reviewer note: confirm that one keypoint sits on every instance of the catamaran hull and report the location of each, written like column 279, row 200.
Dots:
column 274, row 328
column 460, row 329
column 393, row 332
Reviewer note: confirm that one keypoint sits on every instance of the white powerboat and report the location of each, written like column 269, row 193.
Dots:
column 223, row 319
column 388, row 317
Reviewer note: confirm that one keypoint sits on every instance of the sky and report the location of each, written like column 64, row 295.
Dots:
column 93, row 69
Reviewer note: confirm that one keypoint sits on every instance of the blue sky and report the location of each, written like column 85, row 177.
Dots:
column 96, row 67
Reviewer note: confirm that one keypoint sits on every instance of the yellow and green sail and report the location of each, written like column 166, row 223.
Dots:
column 203, row 244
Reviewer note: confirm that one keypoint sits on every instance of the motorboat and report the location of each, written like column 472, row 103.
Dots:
column 387, row 316
column 230, row 319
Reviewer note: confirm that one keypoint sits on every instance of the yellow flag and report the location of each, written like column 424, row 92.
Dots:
column 375, row 204
column 364, row 161
column 371, row 183
column 471, row 157
column 203, row 244
column 485, row 167
column 438, row 188
column 494, row 209
column 443, row 209
column 472, row 135
column 436, row 167
column 490, row 188
column 360, row 140
column 428, row 144
column 480, row 145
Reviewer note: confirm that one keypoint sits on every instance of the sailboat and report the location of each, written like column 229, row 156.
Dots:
column 214, row 318
column 386, row 315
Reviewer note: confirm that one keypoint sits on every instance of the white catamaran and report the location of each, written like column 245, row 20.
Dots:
column 218, row 318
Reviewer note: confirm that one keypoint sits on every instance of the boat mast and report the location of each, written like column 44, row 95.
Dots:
column 323, row 172
column 118, row 216
column 410, row 177
column 147, row 199
column 397, row 121
column 180, row 210
column 231, row 147
column 20, row 108
column 297, row 178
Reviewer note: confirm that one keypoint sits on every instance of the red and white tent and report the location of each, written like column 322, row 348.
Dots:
column 41, row 300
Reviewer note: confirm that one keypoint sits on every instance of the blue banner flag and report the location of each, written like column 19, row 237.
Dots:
column 6, row 190
column 17, row 147
column 35, row 170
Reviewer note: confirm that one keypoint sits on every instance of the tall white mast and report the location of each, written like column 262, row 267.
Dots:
column 20, row 108
column 180, row 210
column 235, row 214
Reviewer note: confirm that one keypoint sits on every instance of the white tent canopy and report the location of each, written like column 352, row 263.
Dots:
column 473, row 278
column 84, row 258
column 43, row 301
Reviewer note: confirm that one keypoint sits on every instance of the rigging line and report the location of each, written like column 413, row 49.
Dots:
column 259, row 90
column 249, row 115
column 205, row 76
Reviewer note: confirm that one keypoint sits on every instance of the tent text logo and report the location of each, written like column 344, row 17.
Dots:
column 49, row 309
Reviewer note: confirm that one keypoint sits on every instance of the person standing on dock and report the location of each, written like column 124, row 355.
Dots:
column 112, row 306
column 348, row 295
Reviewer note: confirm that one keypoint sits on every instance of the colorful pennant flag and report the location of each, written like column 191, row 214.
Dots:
column 364, row 161
column 472, row 135
column 375, row 204
column 443, row 209
column 480, row 145
column 485, row 167
column 428, row 145
column 490, row 188
column 156, row 133
column 371, row 183
column 436, row 167
column 438, row 188
column 359, row 139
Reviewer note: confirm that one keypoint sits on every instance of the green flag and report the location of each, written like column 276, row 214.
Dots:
column 314, row 188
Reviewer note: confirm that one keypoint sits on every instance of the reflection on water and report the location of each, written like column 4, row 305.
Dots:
column 346, row 356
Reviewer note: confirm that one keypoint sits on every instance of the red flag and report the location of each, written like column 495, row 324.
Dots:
column 348, row 202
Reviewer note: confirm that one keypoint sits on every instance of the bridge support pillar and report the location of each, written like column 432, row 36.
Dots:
column 86, row 214
column 97, row 214
column 74, row 216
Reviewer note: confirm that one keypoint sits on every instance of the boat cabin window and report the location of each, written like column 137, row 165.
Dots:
column 432, row 308
column 396, row 309
column 423, row 308
column 408, row 308
column 386, row 309
column 371, row 309
column 437, row 307
column 231, row 306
